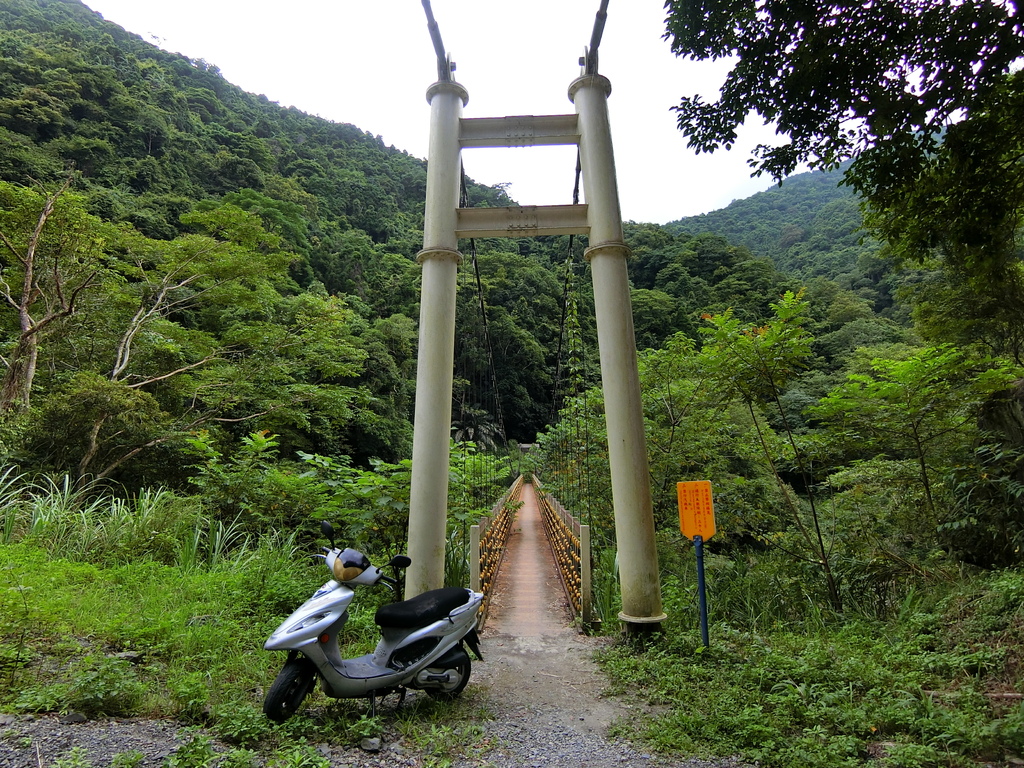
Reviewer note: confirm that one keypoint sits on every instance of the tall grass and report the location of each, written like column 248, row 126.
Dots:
column 191, row 596
column 91, row 524
column 199, row 632
column 607, row 598
column 922, row 689
column 59, row 513
column 457, row 556
column 212, row 544
column 10, row 495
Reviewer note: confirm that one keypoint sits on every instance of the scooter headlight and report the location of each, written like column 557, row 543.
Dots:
column 309, row 621
column 345, row 572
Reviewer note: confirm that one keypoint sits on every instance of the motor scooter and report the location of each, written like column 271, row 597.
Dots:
column 422, row 643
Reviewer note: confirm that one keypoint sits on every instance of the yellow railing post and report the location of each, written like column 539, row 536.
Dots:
column 570, row 545
column 487, row 545
column 586, row 578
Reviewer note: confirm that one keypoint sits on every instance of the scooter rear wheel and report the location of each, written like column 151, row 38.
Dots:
column 293, row 684
column 463, row 668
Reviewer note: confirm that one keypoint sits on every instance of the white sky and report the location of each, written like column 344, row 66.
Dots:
column 370, row 62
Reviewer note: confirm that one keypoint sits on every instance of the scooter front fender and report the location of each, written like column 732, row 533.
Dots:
column 315, row 616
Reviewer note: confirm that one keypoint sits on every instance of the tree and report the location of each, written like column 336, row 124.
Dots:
column 963, row 215
column 841, row 78
column 654, row 317
column 918, row 408
column 921, row 94
column 147, row 341
column 881, row 82
column 952, row 307
column 969, row 197
column 693, row 433
column 53, row 253
column 756, row 363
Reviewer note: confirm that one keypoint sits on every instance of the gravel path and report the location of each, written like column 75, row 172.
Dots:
column 539, row 680
column 538, row 688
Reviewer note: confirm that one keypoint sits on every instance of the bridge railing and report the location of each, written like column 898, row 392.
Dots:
column 570, row 544
column 487, row 540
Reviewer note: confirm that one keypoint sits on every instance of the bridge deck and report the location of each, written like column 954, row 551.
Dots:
column 528, row 599
column 538, row 673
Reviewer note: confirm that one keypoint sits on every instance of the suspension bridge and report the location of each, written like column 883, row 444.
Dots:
column 527, row 514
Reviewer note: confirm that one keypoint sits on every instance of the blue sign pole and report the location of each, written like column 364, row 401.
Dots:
column 698, row 545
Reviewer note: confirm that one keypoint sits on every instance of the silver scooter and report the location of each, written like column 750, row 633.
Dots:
column 422, row 645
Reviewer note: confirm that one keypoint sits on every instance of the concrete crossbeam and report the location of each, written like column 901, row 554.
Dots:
column 519, row 131
column 523, row 221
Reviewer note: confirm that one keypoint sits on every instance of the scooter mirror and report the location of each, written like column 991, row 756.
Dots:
column 328, row 531
column 400, row 561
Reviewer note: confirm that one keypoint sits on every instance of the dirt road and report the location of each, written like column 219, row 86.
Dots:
column 539, row 680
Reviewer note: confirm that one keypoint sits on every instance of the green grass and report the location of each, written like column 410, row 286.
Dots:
column 155, row 640
column 148, row 607
column 152, row 640
column 62, row 624
column 921, row 691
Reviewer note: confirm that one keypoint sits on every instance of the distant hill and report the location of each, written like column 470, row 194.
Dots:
column 808, row 226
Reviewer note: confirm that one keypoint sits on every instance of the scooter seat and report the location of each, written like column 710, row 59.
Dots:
column 422, row 609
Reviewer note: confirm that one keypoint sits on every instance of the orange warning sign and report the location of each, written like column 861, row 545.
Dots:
column 696, row 509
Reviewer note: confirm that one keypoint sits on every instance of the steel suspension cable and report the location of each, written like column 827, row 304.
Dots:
column 444, row 68
column 565, row 297
column 595, row 37
column 474, row 377
column 567, row 451
column 482, row 306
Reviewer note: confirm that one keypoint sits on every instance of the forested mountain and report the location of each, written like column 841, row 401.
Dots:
column 809, row 225
column 151, row 132
column 222, row 223
column 170, row 168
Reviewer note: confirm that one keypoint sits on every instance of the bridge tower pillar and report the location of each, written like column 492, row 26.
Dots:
column 601, row 219
column 639, row 576
column 432, row 421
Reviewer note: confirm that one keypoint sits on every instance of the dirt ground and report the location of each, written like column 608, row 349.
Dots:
column 534, row 655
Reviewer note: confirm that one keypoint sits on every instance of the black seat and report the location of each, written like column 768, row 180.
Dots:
column 422, row 609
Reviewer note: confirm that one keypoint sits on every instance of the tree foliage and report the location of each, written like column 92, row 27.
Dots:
column 914, row 408
column 919, row 92
column 841, row 78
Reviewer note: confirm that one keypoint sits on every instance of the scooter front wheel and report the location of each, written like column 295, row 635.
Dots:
column 293, row 684
column 462, row 669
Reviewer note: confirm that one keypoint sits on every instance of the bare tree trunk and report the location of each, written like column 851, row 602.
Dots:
column 16, row 388
column 15, row 391
column 93, row 449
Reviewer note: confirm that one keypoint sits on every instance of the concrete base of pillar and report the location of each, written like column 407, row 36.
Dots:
column 642, row 626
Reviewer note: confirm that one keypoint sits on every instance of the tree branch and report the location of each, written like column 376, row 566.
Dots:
column 170, row 374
